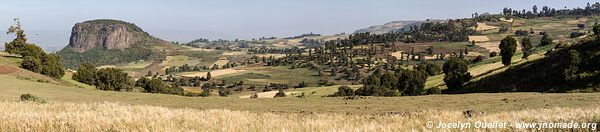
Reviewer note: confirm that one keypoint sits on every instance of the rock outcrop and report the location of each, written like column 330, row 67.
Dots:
column 109, row 34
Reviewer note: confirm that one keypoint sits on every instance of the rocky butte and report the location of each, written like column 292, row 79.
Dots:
column 108, row 34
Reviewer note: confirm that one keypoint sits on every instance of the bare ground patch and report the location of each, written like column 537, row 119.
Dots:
column 478, row 38
column 7, row 69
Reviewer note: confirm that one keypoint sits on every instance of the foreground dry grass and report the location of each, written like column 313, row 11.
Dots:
column 20, row 116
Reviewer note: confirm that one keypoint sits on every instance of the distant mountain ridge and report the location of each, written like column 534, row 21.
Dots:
column 394, row 26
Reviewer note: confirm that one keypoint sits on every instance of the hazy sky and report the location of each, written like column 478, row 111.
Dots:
column 184, row 20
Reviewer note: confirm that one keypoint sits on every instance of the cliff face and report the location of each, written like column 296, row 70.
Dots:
column 109, row 34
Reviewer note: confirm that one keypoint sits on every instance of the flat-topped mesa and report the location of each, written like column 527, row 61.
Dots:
column 110, row 34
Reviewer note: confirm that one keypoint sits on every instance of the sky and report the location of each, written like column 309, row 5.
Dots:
column 184, row 20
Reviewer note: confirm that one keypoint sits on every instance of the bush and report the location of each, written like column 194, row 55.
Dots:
column 301, row 96
column 546, row 40
column 576, row 34
column 301, row 85
column 325, row 83
column 280, row 94
column 435, row 90
column 254, row 96
column 205, row 93
column 224, row 92
column 521, row 33
column 31, row 98
column 113, row 79
column 478, row 59
column 493, row 54
column 343, row 91
column 86, row 73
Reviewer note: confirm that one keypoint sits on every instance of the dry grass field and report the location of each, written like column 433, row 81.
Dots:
column 29, row 116
column 214, row 73
column 478, row 38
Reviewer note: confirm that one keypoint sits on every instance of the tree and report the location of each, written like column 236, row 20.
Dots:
column 86, row 73
column 113, row 79
column 429, row 68
column 456, row 72
column 546, row 40
column 17, row 45
column 411, row 82
column 208, row 76
column 526, row 47
column 596, row 30
column 52, row 66
column 508, row 47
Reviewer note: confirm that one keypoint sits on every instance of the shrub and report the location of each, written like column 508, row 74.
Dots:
column 596, row 29
column 435, row 90
column 31, row 98
column 280, row 94
column 224, row 92
column 521, row 33
column 112, row 79
column 255, row 95
column 301, row 96
column 205, row 93
column 576, row 34
column 86, row 73
column 493, row 54
column 324, row 83
column 581, row 26
column 301, row 85
column 546, row 40
column 478, row 59
column 343, row 91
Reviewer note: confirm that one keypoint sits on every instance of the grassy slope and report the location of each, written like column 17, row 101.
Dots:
column 480, row 102
column 488, row 67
